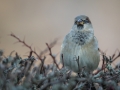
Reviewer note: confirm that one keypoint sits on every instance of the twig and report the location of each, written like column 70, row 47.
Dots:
column 50, row 45
column 62, row 61
column 42, row 66
column 114, row 54
column 30, row 54
column 104, row 65
column 53, row 57
column 116, row 57
column 78, row 63
column 12, row 52
column 25, row 44
column 75, row 88
column 115, row 76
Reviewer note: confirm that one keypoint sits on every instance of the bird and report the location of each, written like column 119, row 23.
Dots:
column 80, row 44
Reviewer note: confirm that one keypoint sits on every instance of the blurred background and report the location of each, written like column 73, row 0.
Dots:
column 41, row 21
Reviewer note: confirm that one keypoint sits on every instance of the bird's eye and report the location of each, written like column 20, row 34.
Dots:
column 86, row 21
column 75, row 23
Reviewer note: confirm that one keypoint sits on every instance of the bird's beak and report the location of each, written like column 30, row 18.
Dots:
column 80, row 23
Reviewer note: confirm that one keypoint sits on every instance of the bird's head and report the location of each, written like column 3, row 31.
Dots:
column 82, row 23
column 82, row 30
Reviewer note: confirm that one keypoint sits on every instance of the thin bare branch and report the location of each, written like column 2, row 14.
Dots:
column 52, row 44
column 25, row 44
column 62, row 61
column 53, row 57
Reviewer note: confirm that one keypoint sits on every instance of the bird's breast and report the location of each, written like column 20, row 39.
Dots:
column 88, row 55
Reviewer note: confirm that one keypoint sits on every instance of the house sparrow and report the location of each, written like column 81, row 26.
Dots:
column 80, row 42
